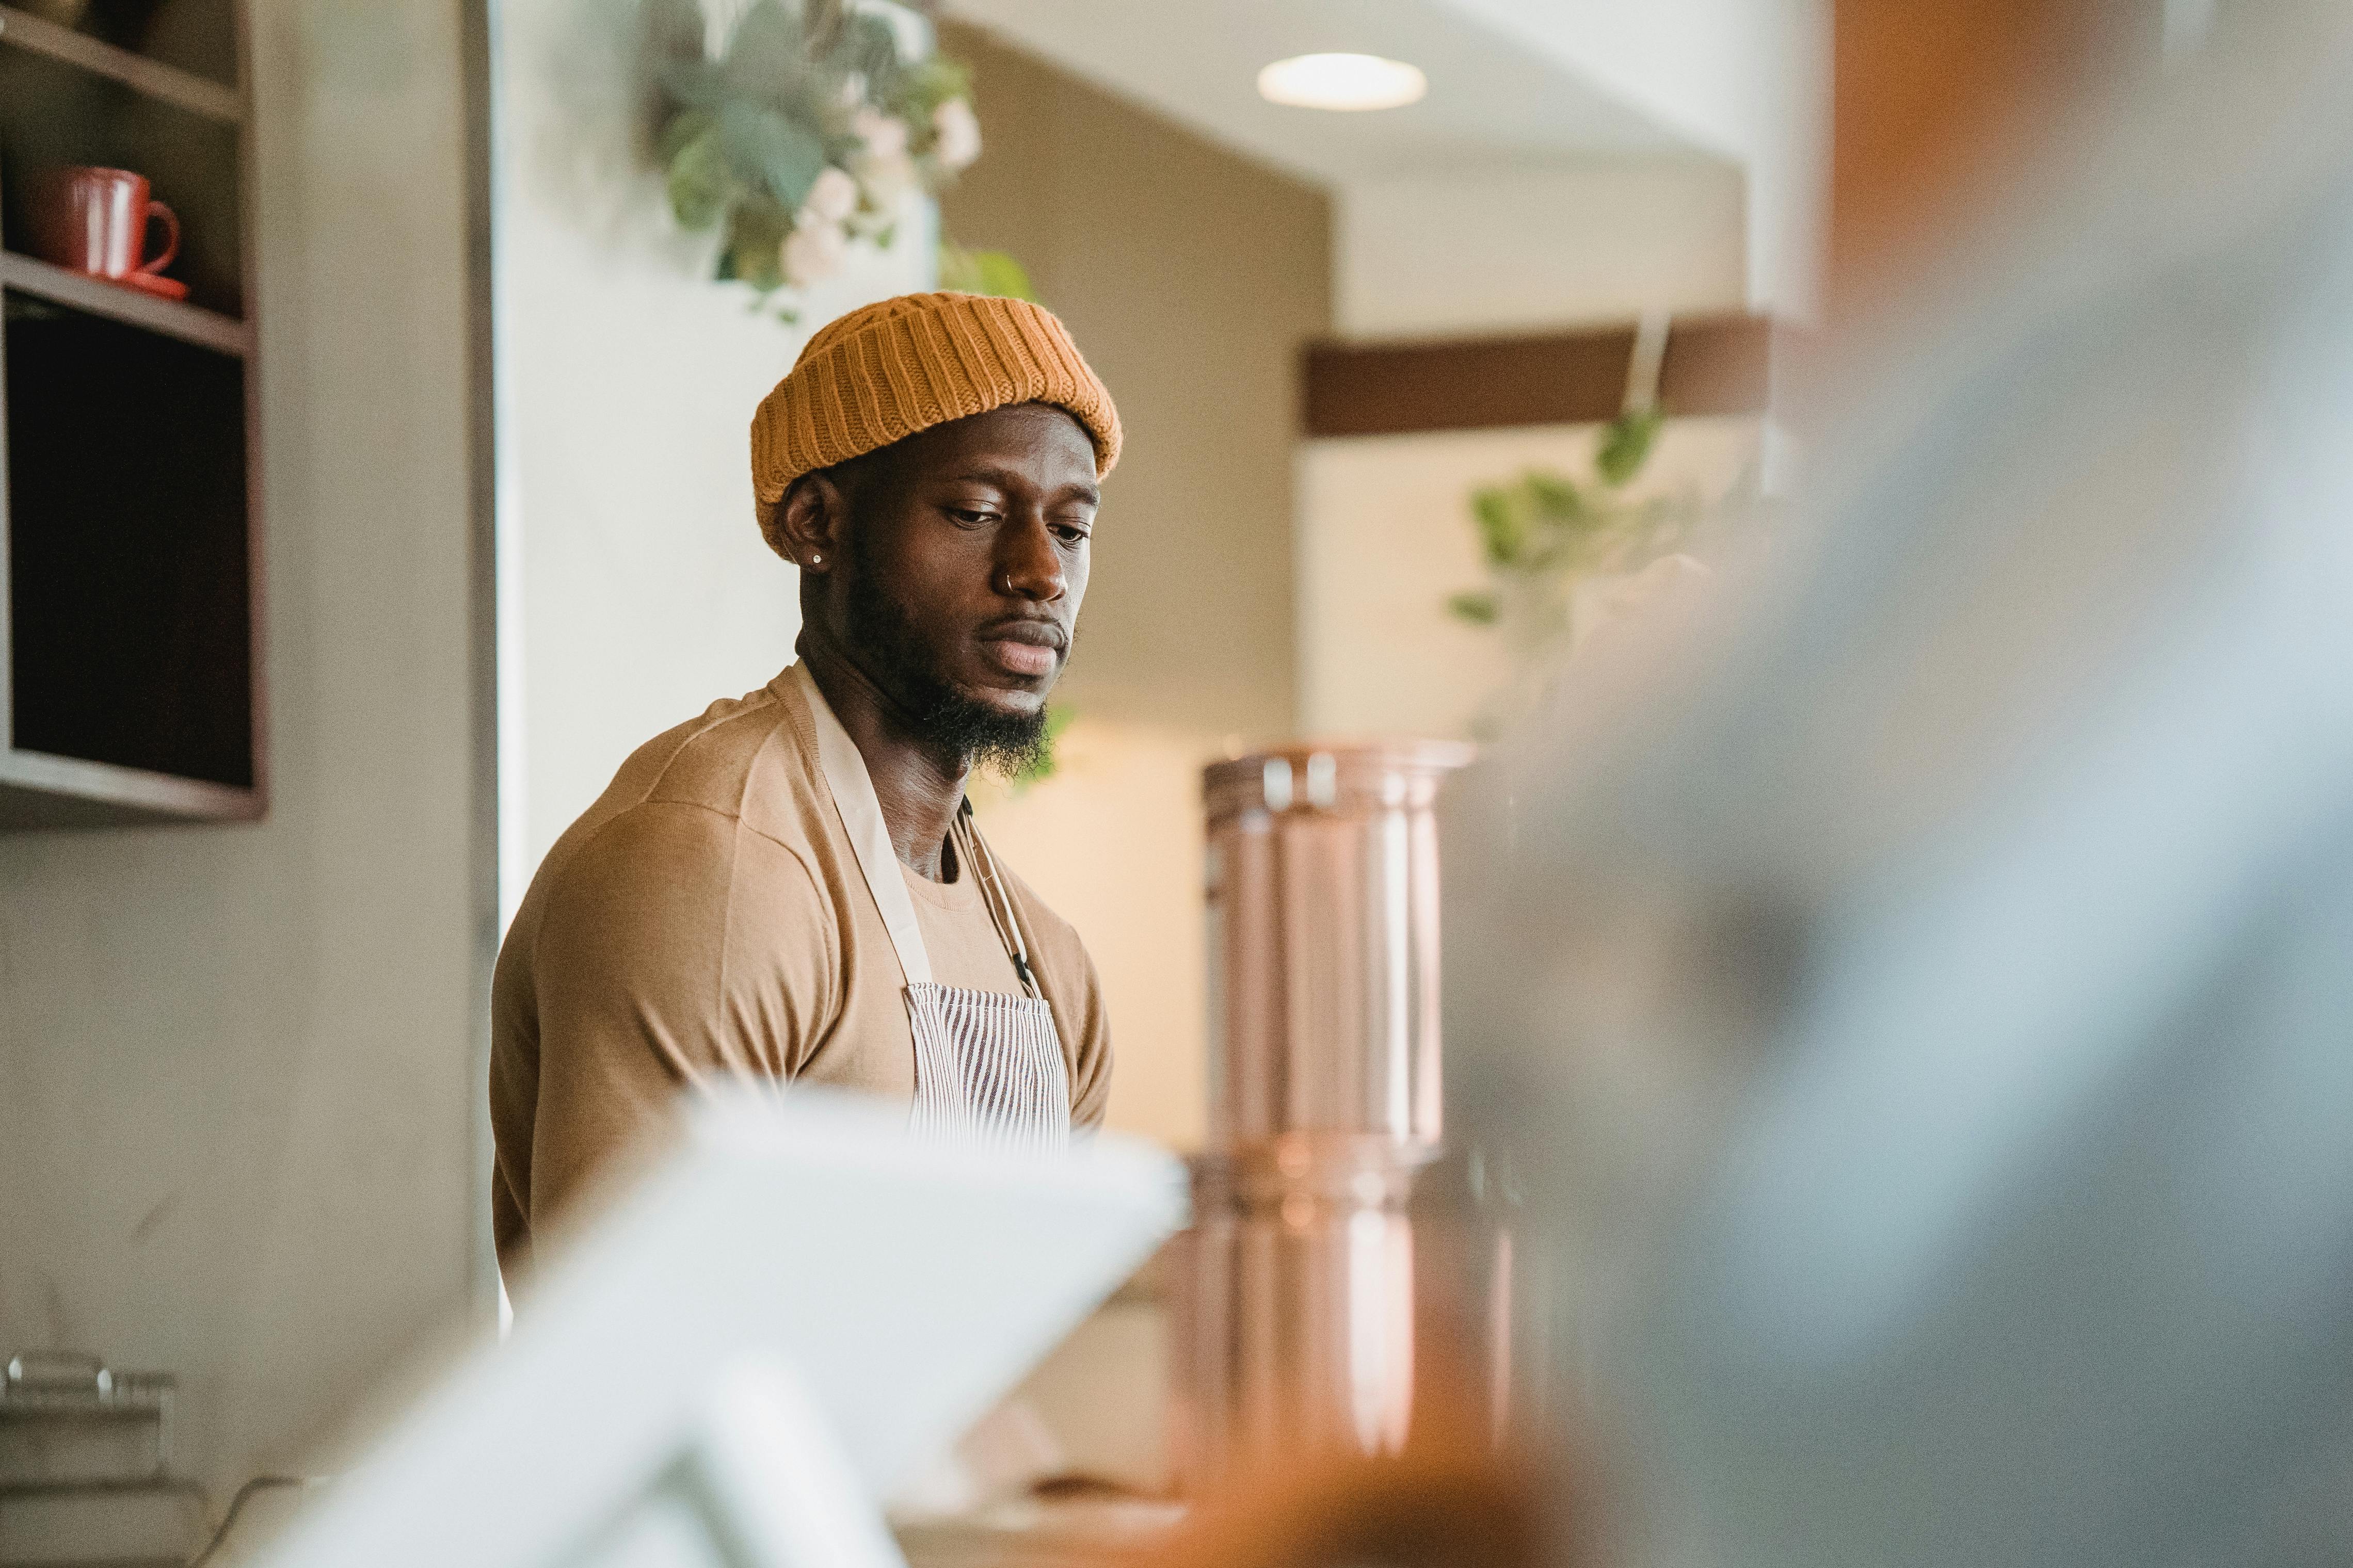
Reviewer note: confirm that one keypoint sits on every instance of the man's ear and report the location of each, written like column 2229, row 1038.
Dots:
column 810, row 521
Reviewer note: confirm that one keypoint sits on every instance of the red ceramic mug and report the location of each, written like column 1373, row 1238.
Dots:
column 95, row 221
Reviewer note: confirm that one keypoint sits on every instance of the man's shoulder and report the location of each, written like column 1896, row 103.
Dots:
column 732, row 758
column 688, row 801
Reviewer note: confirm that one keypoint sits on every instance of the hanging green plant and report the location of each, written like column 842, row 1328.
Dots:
column 983, row 272
column 1540, row 532
column 1043, row 765
column 804, row 135
column 1544, row 533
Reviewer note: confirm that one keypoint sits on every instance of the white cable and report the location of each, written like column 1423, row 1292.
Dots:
column 1642, row 366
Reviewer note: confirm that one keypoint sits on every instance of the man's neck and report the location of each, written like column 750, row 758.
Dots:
column 918, row 788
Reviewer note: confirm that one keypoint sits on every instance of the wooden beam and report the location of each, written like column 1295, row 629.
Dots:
column 1713, row 364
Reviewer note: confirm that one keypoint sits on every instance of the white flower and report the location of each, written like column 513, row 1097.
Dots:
column 833, row 198
column 958, row 130
column 853, row 89
column 885, row 135
column 887, row 179
column 812, row 251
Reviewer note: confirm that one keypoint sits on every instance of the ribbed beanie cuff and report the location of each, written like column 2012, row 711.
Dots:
column 884, row 372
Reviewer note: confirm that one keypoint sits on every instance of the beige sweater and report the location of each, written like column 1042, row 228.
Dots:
column 706, row 921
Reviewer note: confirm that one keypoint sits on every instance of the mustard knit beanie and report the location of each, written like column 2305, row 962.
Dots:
column 882, row 372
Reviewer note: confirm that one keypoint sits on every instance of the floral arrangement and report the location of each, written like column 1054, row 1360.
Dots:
column 804, row 135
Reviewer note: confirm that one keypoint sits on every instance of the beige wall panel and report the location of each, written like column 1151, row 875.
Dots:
column 1190, row 278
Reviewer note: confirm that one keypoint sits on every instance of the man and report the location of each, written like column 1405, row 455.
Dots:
column 790, row 888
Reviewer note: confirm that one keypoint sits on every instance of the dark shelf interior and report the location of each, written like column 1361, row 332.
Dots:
column 54, row 114
column 130, row 606
column 198, row 36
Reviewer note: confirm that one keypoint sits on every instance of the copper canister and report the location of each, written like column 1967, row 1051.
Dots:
column 1323, row 908
column 1294, row 1329
column 1306, row 1301
column 1335, row 1294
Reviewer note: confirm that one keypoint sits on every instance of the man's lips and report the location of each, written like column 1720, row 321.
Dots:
column 1027, row 648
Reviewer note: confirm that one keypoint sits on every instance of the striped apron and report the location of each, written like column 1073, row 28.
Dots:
column 988, row 1068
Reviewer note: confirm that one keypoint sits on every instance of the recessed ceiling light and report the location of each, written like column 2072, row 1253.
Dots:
column 1341, row 81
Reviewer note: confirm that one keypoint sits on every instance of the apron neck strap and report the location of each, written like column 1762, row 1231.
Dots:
column 852, row 788
column 980, row 861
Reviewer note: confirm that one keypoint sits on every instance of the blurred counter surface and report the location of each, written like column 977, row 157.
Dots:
column 1087, row 1526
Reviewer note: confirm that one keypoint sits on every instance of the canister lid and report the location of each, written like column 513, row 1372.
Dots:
column 1339, row 776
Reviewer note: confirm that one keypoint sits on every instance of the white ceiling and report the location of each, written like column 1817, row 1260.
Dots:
column 1493, row 100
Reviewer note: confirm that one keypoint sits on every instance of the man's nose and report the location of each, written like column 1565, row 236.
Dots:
column 1029, row 567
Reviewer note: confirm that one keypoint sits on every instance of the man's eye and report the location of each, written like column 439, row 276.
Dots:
column 1069, row 535
column 971, row 518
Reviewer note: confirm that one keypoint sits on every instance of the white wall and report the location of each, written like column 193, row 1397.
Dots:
column 1500, row 250
column 636, row 588
column 1749, row 79
column 238, row 1065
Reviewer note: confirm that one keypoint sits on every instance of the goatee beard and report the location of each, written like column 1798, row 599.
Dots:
column 942, row 717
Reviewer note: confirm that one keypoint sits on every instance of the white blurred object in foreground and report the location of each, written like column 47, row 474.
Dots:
column 752, row 1349
column 1925, row 991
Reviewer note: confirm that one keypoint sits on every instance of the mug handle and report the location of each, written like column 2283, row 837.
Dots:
column 170, row 239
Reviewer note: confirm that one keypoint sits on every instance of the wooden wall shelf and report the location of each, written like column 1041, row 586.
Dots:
column 130, row 541
column 1713, row 365
column 219, row 100
column 38, row 790
column 173, row 318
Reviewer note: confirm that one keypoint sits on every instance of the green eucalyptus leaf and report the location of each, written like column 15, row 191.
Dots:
column 869, row 44
column 1553, row 494
column 759, row 269
column 700, row 185
column 756, row 231
column 927, row 84
column 1480, row 610
column 994, row 272
column 1501, row 516
column 692, row 84
column 683, row 128
column 768, row 59
column 1058, row 720
column 1626, row 445
column 1000, row 274
column 765, row 148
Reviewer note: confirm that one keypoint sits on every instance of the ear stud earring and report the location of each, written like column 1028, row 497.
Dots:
column 815, row 559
